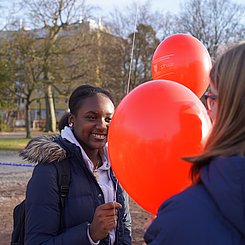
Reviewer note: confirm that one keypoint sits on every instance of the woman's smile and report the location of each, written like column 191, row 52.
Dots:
column 99, row 136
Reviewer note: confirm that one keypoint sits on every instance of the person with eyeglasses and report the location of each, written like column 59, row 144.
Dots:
column 211, row 103
column 212, row 210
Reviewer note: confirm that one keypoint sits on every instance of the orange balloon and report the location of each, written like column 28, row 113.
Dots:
column 184, row 59
column 153, row 127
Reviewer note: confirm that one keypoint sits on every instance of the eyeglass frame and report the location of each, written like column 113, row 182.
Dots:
column 210, row 99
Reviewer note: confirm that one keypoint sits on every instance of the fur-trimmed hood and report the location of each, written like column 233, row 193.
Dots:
column 43, row 149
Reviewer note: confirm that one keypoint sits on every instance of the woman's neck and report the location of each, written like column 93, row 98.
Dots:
column 95, row 157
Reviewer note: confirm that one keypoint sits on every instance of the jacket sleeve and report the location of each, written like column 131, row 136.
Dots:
column 126, row 220
column 42, row 208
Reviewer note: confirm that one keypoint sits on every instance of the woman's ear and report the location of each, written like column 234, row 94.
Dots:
column 71, row 120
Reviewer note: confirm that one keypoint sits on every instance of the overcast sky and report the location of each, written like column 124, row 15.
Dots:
column 165, row 5
column 170, row 5
column 109, row 5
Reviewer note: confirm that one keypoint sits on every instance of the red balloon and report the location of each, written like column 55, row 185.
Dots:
column 184, row 59
column 153, row 127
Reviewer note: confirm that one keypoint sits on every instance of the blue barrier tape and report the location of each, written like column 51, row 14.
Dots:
column 18, row 164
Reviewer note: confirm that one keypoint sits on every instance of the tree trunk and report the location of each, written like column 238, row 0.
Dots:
column 51, row 109
column 48, row 120
column 28, row 120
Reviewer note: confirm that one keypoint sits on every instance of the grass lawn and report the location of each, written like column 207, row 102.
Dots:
column 13, row 144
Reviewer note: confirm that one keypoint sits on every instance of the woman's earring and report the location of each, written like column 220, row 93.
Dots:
column 71, row 125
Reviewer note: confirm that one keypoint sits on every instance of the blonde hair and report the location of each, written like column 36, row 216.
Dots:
column 228, row 134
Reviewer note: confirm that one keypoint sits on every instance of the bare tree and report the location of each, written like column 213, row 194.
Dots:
column 166, row 25
column 21, row 52
column 137, row 26
column 7, row 99
column 213, row 22
column 145, row 44
column 51, row 17
column 8, row 11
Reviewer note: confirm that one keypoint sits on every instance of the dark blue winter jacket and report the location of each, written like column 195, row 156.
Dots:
column 43, row 212
column 210, row 213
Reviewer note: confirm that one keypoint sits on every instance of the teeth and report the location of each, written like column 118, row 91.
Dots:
column 99, row 136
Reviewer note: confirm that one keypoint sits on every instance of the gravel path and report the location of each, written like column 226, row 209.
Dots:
column 13, row 180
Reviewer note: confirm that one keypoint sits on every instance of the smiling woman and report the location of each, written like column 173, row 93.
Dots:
column 96, row 208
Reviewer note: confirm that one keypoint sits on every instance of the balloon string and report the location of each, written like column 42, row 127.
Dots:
column 115, row 199
column 132, row 50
